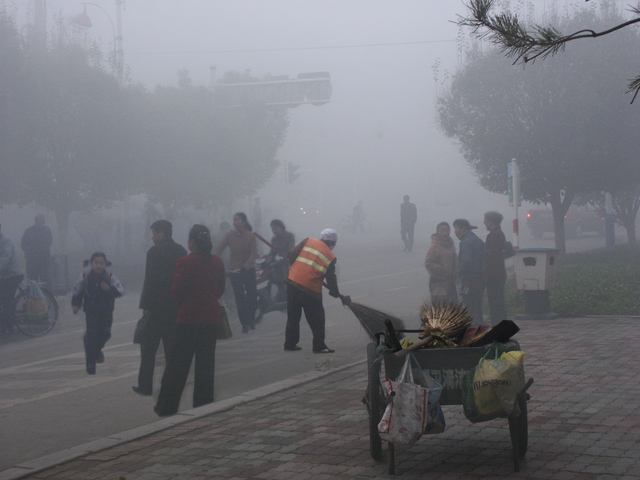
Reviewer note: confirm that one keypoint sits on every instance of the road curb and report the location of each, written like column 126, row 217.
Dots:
column 54, row 459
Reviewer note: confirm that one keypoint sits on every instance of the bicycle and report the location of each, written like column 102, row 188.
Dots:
column 346, row 225
column 33, row 328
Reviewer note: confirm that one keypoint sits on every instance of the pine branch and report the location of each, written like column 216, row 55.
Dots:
column 516, row 41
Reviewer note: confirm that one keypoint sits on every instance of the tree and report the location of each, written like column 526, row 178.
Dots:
column 561, row 120
column 195, row 154
column 506, row 31
column 70, row 139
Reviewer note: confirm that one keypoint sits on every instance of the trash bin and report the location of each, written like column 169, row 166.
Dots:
column 535, row 270
column 59, row 271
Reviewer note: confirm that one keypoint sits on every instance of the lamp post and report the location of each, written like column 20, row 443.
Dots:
column 118, row 50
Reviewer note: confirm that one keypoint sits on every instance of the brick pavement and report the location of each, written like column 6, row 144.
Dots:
column 584, row 423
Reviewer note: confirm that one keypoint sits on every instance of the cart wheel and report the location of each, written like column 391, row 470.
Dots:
column 519, row 430
column 374, row 401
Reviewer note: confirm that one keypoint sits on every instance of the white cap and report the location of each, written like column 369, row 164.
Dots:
column 329, row 234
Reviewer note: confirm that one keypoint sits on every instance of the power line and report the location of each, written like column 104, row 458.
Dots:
column 289, row 49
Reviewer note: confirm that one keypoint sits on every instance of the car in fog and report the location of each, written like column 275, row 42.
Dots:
column 577, row 221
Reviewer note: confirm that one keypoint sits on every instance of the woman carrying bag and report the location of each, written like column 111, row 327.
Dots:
column 197, row 285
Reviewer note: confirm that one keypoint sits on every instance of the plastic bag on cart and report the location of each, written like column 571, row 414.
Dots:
column 406, row 416
column 435, row 422
column 490, row 389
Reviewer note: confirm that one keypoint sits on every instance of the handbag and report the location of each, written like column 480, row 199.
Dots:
column 142, row 329
column 405, row 418
column 223, row 329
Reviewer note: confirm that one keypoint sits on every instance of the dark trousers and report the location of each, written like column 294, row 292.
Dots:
column 190, row 341
column 297, row 301
column 159, row 330
column 406, row 232
column 473, row 302
column 8, row 287
column 38, row 269
column 495, row 295
column 97, row 334
column 245, row 292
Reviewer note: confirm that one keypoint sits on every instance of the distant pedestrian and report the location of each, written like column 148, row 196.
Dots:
column 198, row 284
column 242, row 273
column 471, row 269
column 96, row 292
column 496, row 273
column 357, row 217
column 156, row 301
column 36, row 244
column 312, row 264
column 408, row 219
column 441, row 262
column 10, row 277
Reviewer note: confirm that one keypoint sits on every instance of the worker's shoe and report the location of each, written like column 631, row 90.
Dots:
column 100, row 357
column 140, row 391
column 295, row 348
column 324, row 350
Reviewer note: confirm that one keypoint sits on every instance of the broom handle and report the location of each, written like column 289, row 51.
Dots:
column 415, row 346
column 269, row 244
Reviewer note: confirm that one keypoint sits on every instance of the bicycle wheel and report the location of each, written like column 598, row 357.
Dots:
column 36, row 329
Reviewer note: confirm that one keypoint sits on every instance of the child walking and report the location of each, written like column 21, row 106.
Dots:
column 96, row 291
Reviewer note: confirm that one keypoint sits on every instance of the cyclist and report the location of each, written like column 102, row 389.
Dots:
column 10, row 277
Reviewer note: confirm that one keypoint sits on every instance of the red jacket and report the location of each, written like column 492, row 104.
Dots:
column 198, row 283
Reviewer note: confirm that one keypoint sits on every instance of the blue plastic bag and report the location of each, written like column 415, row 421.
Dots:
column 435, row 417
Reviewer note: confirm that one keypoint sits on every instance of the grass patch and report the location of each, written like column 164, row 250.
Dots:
column 600, row 282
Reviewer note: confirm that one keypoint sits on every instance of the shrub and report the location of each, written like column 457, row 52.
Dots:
column 599, row 282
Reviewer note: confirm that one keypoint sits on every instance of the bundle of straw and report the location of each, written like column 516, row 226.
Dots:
column 444, row 320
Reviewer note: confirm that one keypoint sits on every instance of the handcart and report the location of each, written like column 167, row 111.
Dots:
column 446, row 365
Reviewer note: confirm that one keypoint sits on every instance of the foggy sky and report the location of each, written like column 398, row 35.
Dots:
column 375, row 141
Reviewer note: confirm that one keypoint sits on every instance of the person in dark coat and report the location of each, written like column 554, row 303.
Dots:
column 408, row 218
column 471, row 268
column 156, row 301
column 198, row 284
column 96, row 292
column 496, row 273
column 283, row 242
column 36, row 244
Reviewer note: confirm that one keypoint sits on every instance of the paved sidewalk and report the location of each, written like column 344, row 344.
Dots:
column 584, row 423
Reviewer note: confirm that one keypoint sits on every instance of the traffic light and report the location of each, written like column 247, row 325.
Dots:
column 291, row 172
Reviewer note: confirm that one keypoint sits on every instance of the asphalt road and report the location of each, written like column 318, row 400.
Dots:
column 48, row 402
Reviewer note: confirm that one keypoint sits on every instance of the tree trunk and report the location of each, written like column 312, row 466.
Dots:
column 168, row 209
column 560, row 205
column 62, row 219
column 630, row 226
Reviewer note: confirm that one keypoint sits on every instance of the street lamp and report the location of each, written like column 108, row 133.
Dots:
column 84, row 20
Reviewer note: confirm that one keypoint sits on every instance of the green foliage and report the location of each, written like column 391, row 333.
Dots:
column 192, row 153
column 562, row 119
column 601, row 282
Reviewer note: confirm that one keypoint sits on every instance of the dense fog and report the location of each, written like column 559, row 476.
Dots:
column 375, row 141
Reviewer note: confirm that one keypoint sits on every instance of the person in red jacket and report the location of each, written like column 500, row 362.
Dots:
column 197, row 285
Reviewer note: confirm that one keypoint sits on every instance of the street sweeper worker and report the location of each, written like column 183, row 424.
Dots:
column 312, row 263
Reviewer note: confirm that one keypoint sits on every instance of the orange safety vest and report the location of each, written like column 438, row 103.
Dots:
column 310, row 267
